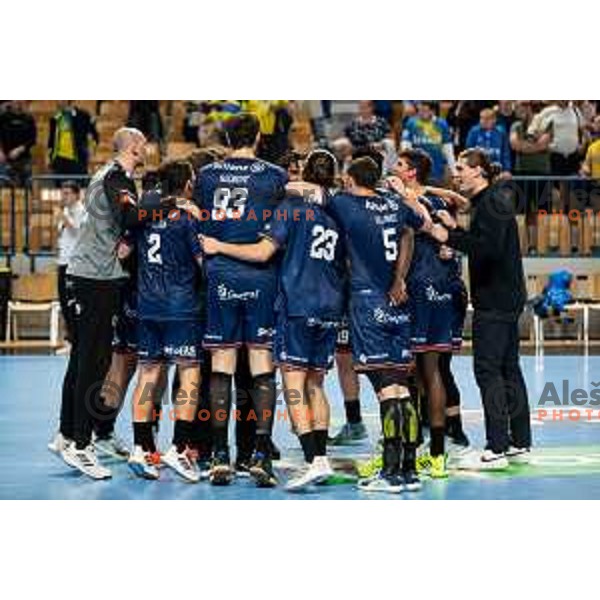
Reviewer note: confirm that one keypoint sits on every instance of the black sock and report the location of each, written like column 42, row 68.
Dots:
column 320, row 437
column 104, row 419
column 142, row 436
column 156, row 416
column 437, row 441
column 391, row 426
column 307, row 441
column 454, row 425
column 182, row 434
column 263, row 397
column 263, row 444
column 409, row 457
column 352, row 407
column 220, row 406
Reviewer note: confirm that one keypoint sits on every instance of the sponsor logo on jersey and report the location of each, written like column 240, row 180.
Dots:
column 264, row 332
column 382, row 316
column 434, row 296
column 225, row 294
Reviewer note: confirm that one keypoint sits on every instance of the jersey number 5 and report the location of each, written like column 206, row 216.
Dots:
column 323, row 245
column 154, row 256
column 391, row 244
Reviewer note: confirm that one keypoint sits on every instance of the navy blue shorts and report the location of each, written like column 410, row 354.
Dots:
column 380, row 333
column 170, row 341
column 240, row 312
column 343, row 343
column 125, row 332
column 460, row 301
column 304, row 343
column 432, row 315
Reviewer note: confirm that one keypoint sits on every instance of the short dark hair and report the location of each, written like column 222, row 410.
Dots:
column 240, row 131
column 71, row 185
column 433, row 104
column 320, row 168
column 174, row 176
column 420, row 161
column 370, row 152
column 150, row 180
column 365, row 172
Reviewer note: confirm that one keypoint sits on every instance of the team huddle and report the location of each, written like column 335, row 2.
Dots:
column 234, row 270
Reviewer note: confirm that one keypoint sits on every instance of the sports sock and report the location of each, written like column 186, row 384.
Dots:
column 105, row 418
column 410, row 433
column 409, row 457
column 182, row 434
column 220, row 406
column 437, row 441
column 320, row 437
column 142, row 436
column 263, row 444
column 307, row 441
column 391, row 423
column 352, row 407
column 264, row 402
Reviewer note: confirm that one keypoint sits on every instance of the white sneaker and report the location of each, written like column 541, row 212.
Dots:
column 490, row 461
column 463, row 459
column 518, row 456
column 144, row 464
column 85, row 461
column 323, row 469
column 181, row 463
column 317, row 472
column 58, row 444
column 111, row 446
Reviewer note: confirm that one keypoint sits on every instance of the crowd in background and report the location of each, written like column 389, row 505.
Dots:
column 527, row 138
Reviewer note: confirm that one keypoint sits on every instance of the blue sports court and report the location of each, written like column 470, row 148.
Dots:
column 565, row 464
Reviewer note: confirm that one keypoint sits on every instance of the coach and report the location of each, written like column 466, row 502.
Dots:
column 95, row 278
column 498, row 295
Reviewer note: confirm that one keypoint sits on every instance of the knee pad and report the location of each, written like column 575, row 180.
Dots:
column 264, row 381
column 391, row 419
column 220, row 390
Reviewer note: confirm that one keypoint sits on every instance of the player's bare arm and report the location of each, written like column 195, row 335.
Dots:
column 398, row 293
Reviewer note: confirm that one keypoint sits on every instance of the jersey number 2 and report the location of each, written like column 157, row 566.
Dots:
column 323, row 245
column 154, row 256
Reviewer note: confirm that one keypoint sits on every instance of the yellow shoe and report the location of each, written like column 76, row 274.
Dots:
column 437, row 469
column 369, row 468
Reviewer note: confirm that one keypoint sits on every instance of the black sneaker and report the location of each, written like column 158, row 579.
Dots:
column 262, row 471
column 242, row 466
column 221, row 472
column 411, row 481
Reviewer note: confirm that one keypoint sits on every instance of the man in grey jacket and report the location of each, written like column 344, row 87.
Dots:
column 95, row 279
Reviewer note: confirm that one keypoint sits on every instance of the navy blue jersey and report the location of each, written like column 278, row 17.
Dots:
column 372, row 226
column 168, row 251
column 239, row 195
column 312, row 268
column 427, row 267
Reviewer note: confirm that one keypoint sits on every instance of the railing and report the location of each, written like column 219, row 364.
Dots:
column 557, row 216
column 7, row 217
